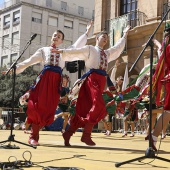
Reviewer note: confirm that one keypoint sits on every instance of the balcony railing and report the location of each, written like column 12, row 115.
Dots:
column 116, row 26
column 133, row 19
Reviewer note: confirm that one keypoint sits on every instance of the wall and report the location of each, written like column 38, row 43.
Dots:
column 138, row 36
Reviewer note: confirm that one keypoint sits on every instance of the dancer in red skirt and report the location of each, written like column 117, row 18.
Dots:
column 161, row 78
column 90, row 106
column 45, row 93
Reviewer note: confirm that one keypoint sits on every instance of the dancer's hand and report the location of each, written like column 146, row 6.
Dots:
column 89, row 27
column 127, row 29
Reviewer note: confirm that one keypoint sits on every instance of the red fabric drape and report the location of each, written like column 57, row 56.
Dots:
column 162, row 75
column 90, row 105
column 44, row 99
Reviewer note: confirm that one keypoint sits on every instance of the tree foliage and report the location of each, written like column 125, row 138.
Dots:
column 22, row 83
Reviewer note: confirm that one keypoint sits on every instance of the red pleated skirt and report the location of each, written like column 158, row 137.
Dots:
column 44, row 99
column 90, row 105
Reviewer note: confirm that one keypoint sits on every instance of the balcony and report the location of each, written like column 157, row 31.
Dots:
column 133, row 19
column 116, row 26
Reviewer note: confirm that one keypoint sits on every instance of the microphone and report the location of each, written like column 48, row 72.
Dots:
column 33, row 36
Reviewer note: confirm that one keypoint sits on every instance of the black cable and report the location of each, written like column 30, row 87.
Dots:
column 17, row 164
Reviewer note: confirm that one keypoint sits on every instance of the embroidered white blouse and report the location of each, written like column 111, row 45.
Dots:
column 43, row 55
column 92, row 54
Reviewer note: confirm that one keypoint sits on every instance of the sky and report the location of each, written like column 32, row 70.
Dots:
column 1, row 1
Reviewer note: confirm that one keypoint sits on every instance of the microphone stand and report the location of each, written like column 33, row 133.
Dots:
column 11, row 137
column 150, row 153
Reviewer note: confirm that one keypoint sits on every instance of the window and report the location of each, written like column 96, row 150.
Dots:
column 48, row 3
column 4, row 61
column 5, row 42
column 80, row 10
column 6, row 20
column 15, row 38
column 36, row 17
column 129, row 7
column 53, row 21
column 68, row 24
column 13, row 58
column 63, row 6
column 16, row 17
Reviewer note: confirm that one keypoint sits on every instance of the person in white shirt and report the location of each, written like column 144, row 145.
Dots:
column 90, row 107
column 45, row 93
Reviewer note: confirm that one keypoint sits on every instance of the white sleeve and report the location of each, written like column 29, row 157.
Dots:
column 113, row 75
column 76, row 54
column 159, row 52
column 81, row 41
column 114, row 52
column 37, row 57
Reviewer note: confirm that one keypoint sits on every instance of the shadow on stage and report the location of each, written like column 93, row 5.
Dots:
column 133, row 151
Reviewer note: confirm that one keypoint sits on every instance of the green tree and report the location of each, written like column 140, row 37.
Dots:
column 23, row 82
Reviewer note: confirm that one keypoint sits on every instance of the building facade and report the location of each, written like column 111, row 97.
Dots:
column 143, row 16
column 20, row 19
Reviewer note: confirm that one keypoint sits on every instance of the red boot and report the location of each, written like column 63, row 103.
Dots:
column 34, row 135
column 86, row 137
column 68, row 133
column 37, row 137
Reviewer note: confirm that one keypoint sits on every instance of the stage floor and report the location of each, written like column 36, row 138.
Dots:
column 108, row 151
